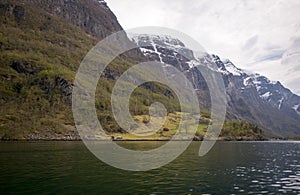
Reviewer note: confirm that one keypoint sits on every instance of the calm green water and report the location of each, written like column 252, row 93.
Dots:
column 230, row 168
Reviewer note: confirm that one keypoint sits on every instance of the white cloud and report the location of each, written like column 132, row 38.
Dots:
column 255, row 34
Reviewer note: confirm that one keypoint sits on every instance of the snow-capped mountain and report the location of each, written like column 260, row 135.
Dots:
column 273, row 92
column 251, row 97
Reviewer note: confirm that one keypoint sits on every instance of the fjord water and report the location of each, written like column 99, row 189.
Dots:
column 230, row 168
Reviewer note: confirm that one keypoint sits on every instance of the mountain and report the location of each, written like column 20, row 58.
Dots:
column 42, row 44
column 251, row 97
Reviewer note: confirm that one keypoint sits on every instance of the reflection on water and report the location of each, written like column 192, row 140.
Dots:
column 230, row 168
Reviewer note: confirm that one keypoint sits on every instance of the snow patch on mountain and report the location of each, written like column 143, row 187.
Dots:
column 247, row 81
column 102, row 4
column 266, row 95
column 280, row 103
column 193, row 63
column 144, row 50
column 156, row 51
column 166, row 40
column 232, row 68
column 296, row 108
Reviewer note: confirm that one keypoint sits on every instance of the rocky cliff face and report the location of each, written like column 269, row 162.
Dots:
column 94, row 16
column 251, row 97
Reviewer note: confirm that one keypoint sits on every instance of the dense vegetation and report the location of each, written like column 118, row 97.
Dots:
column 236, row 130
column 40, row 54
column 34, row 51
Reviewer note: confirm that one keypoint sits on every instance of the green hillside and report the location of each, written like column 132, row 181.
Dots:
column 40, row 54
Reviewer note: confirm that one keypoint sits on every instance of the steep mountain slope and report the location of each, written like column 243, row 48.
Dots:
column 42, row 44
column 251, row 97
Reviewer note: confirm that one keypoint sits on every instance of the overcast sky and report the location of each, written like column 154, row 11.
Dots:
column 262, row 36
